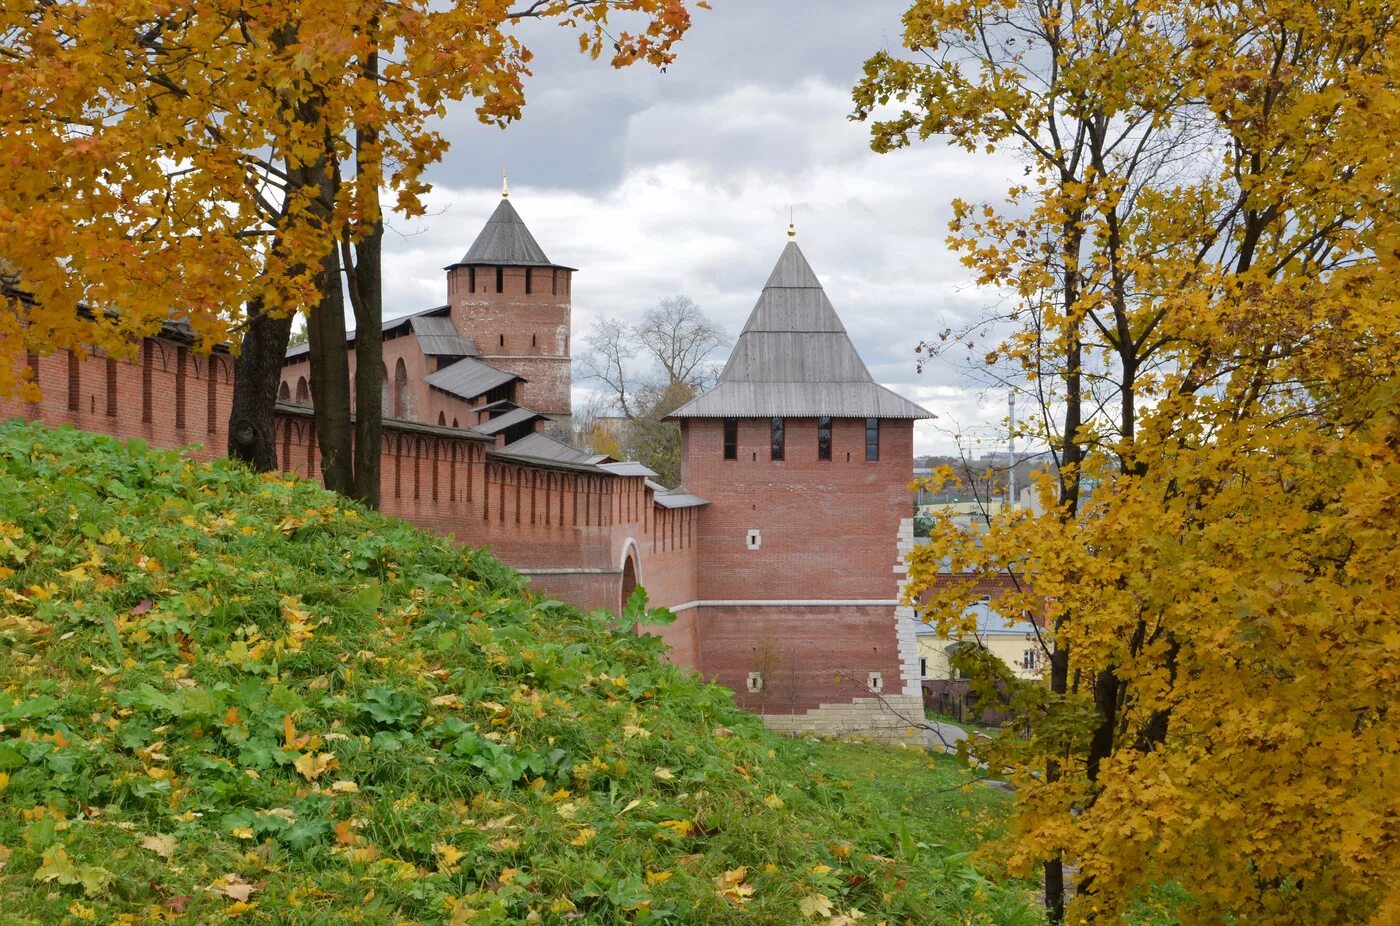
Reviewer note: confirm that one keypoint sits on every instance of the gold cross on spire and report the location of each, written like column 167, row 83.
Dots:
column 505, row 185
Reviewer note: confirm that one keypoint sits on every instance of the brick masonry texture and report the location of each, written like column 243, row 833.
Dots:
column 810, row 606
column 829, row 529
column 526, row 333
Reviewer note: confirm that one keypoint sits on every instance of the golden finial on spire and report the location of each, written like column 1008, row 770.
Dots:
column 505, row 185
column 792, row 226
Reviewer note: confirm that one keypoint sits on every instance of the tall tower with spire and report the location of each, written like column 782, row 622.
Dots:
column 509, row 298
column 805, row 461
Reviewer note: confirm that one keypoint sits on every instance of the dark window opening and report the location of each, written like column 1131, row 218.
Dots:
column 471, row 279
column 529, row 281
column 500, row 279
column 731, row 438
column 74, row 383
column 181, row 359
column 503, row 340
column 534, row 340
column 872, row 438
column 777, row 441
column 111, row 388
column 554, row 282
column 823, row 438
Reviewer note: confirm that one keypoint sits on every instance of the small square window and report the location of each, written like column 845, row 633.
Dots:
column 753, row 540
column 875, row 682
column 755, row 681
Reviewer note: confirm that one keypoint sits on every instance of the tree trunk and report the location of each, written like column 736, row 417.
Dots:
column 367, row 282
column 257, row 370
column 330, row 379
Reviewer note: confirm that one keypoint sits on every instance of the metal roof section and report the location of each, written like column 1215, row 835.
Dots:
column 505, row 240
column 508, row 419
column 546, row 449
column 626, row 468
column 801, row 400
column 679, row 500
column 388, row 325
column 469, row 378
column 438, row 337
column 794, row 359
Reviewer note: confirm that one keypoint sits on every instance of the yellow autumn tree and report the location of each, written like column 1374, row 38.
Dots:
column 169, row 158
column 1202, row 259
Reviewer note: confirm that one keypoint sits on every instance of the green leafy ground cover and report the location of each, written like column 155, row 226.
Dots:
column 227, row 697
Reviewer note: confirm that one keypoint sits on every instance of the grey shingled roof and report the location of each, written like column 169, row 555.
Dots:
column 513, row 417
column 679, row 500
column 795, row 360
column 539, row 447
column 469, row 378
column 506, row 240
column 438, row 336
column 626, row 468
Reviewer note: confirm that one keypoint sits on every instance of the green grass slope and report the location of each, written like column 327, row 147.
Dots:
column 226, row 697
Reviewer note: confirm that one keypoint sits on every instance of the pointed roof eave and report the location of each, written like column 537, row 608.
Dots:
column 506, row 241
column 795, row 359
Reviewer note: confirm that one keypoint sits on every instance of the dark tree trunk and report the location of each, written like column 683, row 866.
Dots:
column 330, row 380
column 257, row 370
column 367, row 289
column 369, row 367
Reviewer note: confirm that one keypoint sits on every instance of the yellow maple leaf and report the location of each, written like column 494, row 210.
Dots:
column 448, row 856
column 312, row 766
column 814, row 905
column 164, row 846
column 731, row 886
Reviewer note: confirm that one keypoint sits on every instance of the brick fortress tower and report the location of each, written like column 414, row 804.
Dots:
column 805, row 460
column 514, row 303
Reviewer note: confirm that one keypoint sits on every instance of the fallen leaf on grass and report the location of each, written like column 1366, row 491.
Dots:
column 449, row 856
column 815, row 905
column 233, row 887
column 731, row 886
column 164, row 846
column 314, row 766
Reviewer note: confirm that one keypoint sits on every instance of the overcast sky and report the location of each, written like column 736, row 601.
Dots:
column 680, row 183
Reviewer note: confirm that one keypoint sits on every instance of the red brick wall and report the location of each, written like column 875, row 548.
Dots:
column 829, row 531
column 808, row 656
column 828, row 528
column 166, row 394
column 534, row 327
column 425, row 404
column 531, row 517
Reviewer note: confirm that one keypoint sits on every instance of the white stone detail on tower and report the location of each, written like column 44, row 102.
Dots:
column 904, row 615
